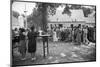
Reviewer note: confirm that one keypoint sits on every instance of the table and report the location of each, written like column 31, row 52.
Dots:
column 45, row 46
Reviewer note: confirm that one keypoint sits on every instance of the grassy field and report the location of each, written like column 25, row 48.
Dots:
column 59, row 52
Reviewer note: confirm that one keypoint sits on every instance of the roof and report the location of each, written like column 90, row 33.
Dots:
column 76, row 15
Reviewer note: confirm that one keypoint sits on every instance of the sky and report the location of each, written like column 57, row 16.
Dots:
column 20, row 7
column 76, row 14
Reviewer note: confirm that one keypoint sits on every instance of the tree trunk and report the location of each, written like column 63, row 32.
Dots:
column 44, row 17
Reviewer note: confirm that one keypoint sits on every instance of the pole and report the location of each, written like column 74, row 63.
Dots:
column 25, row 17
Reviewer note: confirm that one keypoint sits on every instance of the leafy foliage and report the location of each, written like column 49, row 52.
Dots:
column 43, row 10
column 75, row 7
column 67, row 10
column 15, row 14
column 41, row 13
column 86, row 11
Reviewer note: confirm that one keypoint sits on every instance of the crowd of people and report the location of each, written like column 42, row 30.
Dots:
column 21, row 37
column 78, row 34
column 25, row 39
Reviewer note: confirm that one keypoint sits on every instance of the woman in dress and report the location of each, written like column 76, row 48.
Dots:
column 22, row 42
column 55, row 36
column 85, row 39
column 78, row 36
column 16, row 37
column 32, row 42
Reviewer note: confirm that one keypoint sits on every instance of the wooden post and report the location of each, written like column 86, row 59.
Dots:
column 47, row 46
column 44, row 48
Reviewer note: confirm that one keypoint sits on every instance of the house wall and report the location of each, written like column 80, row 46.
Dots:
column 65, row 24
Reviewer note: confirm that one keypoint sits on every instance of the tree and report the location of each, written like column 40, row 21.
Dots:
column 42, row 10
column 67, row 10
column 86, row 12
column 46, row 9
column 15, row 14
column 74, row 6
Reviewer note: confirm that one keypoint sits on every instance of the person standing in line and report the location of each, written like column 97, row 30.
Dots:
column 22, row 48
column 75, row 33
column 85, row 40
column 40, row 31
column 78, row 36
column 72, row 33
column 55, row 36
column 94, row 35
column 82, row 37
column 16, row 37
column 58, row 34
column 32, row 42
column 13, row 40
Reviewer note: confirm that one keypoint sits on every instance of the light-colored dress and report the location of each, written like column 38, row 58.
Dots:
column 85, row 36
column 78, row 36
column 55, row 36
